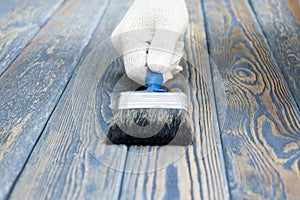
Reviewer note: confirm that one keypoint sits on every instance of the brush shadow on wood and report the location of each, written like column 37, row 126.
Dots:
column 184, row 172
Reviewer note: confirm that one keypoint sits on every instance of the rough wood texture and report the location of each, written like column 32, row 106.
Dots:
column 32, row 85
column 194, row 172
column 20, row 25
column 280, row 22
column 52, row 138
column 75, row 118
column 71, row 160
column 261, row 137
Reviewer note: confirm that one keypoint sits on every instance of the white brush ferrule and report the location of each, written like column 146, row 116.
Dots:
column 169, row 100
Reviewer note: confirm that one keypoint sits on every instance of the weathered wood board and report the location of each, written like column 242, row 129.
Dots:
column 84, row 88
column 34, row 83
column 20, row 25
column 71, row 159
column 52, row 126
column 261, row 137
column 280, row 22
column 197, row 171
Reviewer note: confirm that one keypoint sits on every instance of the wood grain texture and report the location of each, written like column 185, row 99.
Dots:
column 280, row 22
column 8, row 6
column 262, row 131
column 74, row 126
column 20, row 25
column 31, row 87
column 197, row 171
column 71, row 159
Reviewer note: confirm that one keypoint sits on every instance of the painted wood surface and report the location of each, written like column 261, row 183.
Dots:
column 33, row 84
column 280, row 22
column 8, row 6
column 67, row 157
column 75, row 118
column 71, row 159
column 262, row 131
column 20, row 25
column 197, row 171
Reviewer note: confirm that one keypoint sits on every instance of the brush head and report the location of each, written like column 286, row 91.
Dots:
column 151, row 119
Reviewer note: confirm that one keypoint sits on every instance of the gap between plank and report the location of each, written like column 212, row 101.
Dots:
column 61, row 95
column 34, row 35
column 222, row 158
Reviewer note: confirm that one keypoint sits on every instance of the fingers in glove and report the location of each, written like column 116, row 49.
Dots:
column 134, row 46
column 135, row 65
column 161, row 50
column 165, row 53
column 131, row 41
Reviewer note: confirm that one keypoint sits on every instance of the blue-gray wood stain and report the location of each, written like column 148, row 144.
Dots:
column 32, row 86
column 262, row 128
column 6, row 6
column 53, row 120
column 280, row 22
column 19, row 26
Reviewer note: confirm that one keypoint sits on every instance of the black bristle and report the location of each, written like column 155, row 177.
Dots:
column 156, row 126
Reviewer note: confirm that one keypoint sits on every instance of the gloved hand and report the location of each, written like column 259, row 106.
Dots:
column 151, row 35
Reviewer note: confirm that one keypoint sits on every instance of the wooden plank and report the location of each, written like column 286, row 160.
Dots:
column 20, row 25
column 261, row 134
column 280, row 22
column 194, row 172
column 32, row 86
column 71, row 159
column 8, row 6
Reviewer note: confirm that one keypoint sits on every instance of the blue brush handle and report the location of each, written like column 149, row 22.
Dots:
column 154, row 82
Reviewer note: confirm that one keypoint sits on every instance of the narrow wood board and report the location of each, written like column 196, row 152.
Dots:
column 20, row 25
column 196, row 171
column 280, row 22
column 261, row 136
column 33, row 84
column 72, row 159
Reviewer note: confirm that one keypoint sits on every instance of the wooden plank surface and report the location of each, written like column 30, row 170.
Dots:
column 261, row 137
column 280, row 22
column 31, row 87
column 197, row 171
column 71, row 159
column 20, row 25
column 8, row 6
column 75, row 118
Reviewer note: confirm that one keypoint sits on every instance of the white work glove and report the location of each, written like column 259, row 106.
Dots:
column 151, row 35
